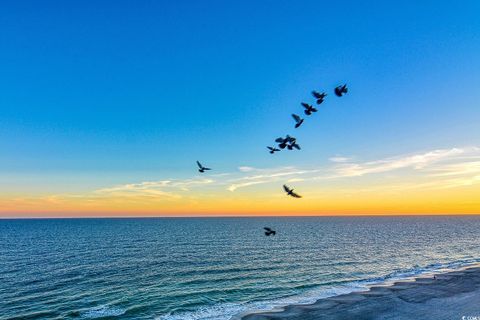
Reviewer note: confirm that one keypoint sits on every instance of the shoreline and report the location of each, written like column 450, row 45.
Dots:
column 449, row 295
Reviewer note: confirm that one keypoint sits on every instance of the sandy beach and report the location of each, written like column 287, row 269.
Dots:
column 451, row 295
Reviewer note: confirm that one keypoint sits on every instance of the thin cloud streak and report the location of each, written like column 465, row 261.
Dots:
column 161, row 188
column 264, row 176
column 416, row 161
column 433, row 170
column 431, row 160
column 339, row 159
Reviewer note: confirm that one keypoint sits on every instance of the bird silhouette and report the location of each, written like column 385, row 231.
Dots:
column 293, row 145
column 289, row 138
column 202, row 169
column 288, row 142
column 298, row 120
column 290, row 192
column 269, row 231
column 282, row 142
column 319, row 96
column 273, row 149
column 341, row 90
column 308, row 108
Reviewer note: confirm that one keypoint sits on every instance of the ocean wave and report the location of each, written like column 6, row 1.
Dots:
column 226, row 311
column 103, row 311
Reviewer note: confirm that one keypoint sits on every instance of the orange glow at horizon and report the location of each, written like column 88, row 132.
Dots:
column 444, row 181
column 463, row 200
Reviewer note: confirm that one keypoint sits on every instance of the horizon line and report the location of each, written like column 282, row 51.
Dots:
column 241, row 216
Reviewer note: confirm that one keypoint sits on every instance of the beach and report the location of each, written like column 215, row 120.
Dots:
column 451, row 295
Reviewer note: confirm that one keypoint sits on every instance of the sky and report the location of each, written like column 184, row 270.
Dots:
column 106, row 105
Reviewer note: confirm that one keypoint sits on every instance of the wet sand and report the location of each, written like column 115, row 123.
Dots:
column 451, row 295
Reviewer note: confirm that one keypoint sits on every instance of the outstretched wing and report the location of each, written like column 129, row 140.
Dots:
column 296, row 146
column 306, row 105
column 268, row 229
column 275, row 149
column 199, row 164
column 340, row 90
column 317, row 95
column 279, row 140
column 286, row 188
column 296, row 117
column 207, row 169
column 270, row 148
column 293, row 194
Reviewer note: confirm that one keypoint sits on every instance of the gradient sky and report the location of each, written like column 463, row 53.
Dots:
column 106, row 105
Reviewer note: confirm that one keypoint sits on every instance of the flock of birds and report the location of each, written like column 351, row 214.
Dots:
column 290, row 142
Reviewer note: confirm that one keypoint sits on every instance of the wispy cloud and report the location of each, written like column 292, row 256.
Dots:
column 263, row 176
column 455, row 169
column 161, row 188
column 339, row 159
column 415, row 161
column 236, row 186
column 431, row 170
column 134, row 186
column 453, row 161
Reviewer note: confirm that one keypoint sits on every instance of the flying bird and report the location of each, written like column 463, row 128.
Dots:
column 269, row 231
column 298, row 120
column 287, row 142
column 293, row 145
column 290, row 192
column 308, row 108
column 289, row 138
column 319, row 96
column 202, row 168
column 341, row 90
column 273, row 149
column 282, row 142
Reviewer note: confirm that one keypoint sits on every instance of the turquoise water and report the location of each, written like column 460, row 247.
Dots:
column 212, row 268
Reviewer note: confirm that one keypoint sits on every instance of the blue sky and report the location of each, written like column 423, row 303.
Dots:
column 118, row 91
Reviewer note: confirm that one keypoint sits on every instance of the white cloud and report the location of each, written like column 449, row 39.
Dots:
column 443, row 168
column 134, row 186
column 246, row 169
column 440, row 160
column 161, row 188
column 416, row 161
column 339, row 159
column 235, row 186
column 295, row 180
column 456, row 169
column 263, row 176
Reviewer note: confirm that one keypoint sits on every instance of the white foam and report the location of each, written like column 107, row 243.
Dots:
column 103, row 311
column 226, row 311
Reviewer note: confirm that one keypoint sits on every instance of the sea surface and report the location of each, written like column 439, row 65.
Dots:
column 213, row 268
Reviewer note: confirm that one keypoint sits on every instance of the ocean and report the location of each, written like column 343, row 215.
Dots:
column 214, row 268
